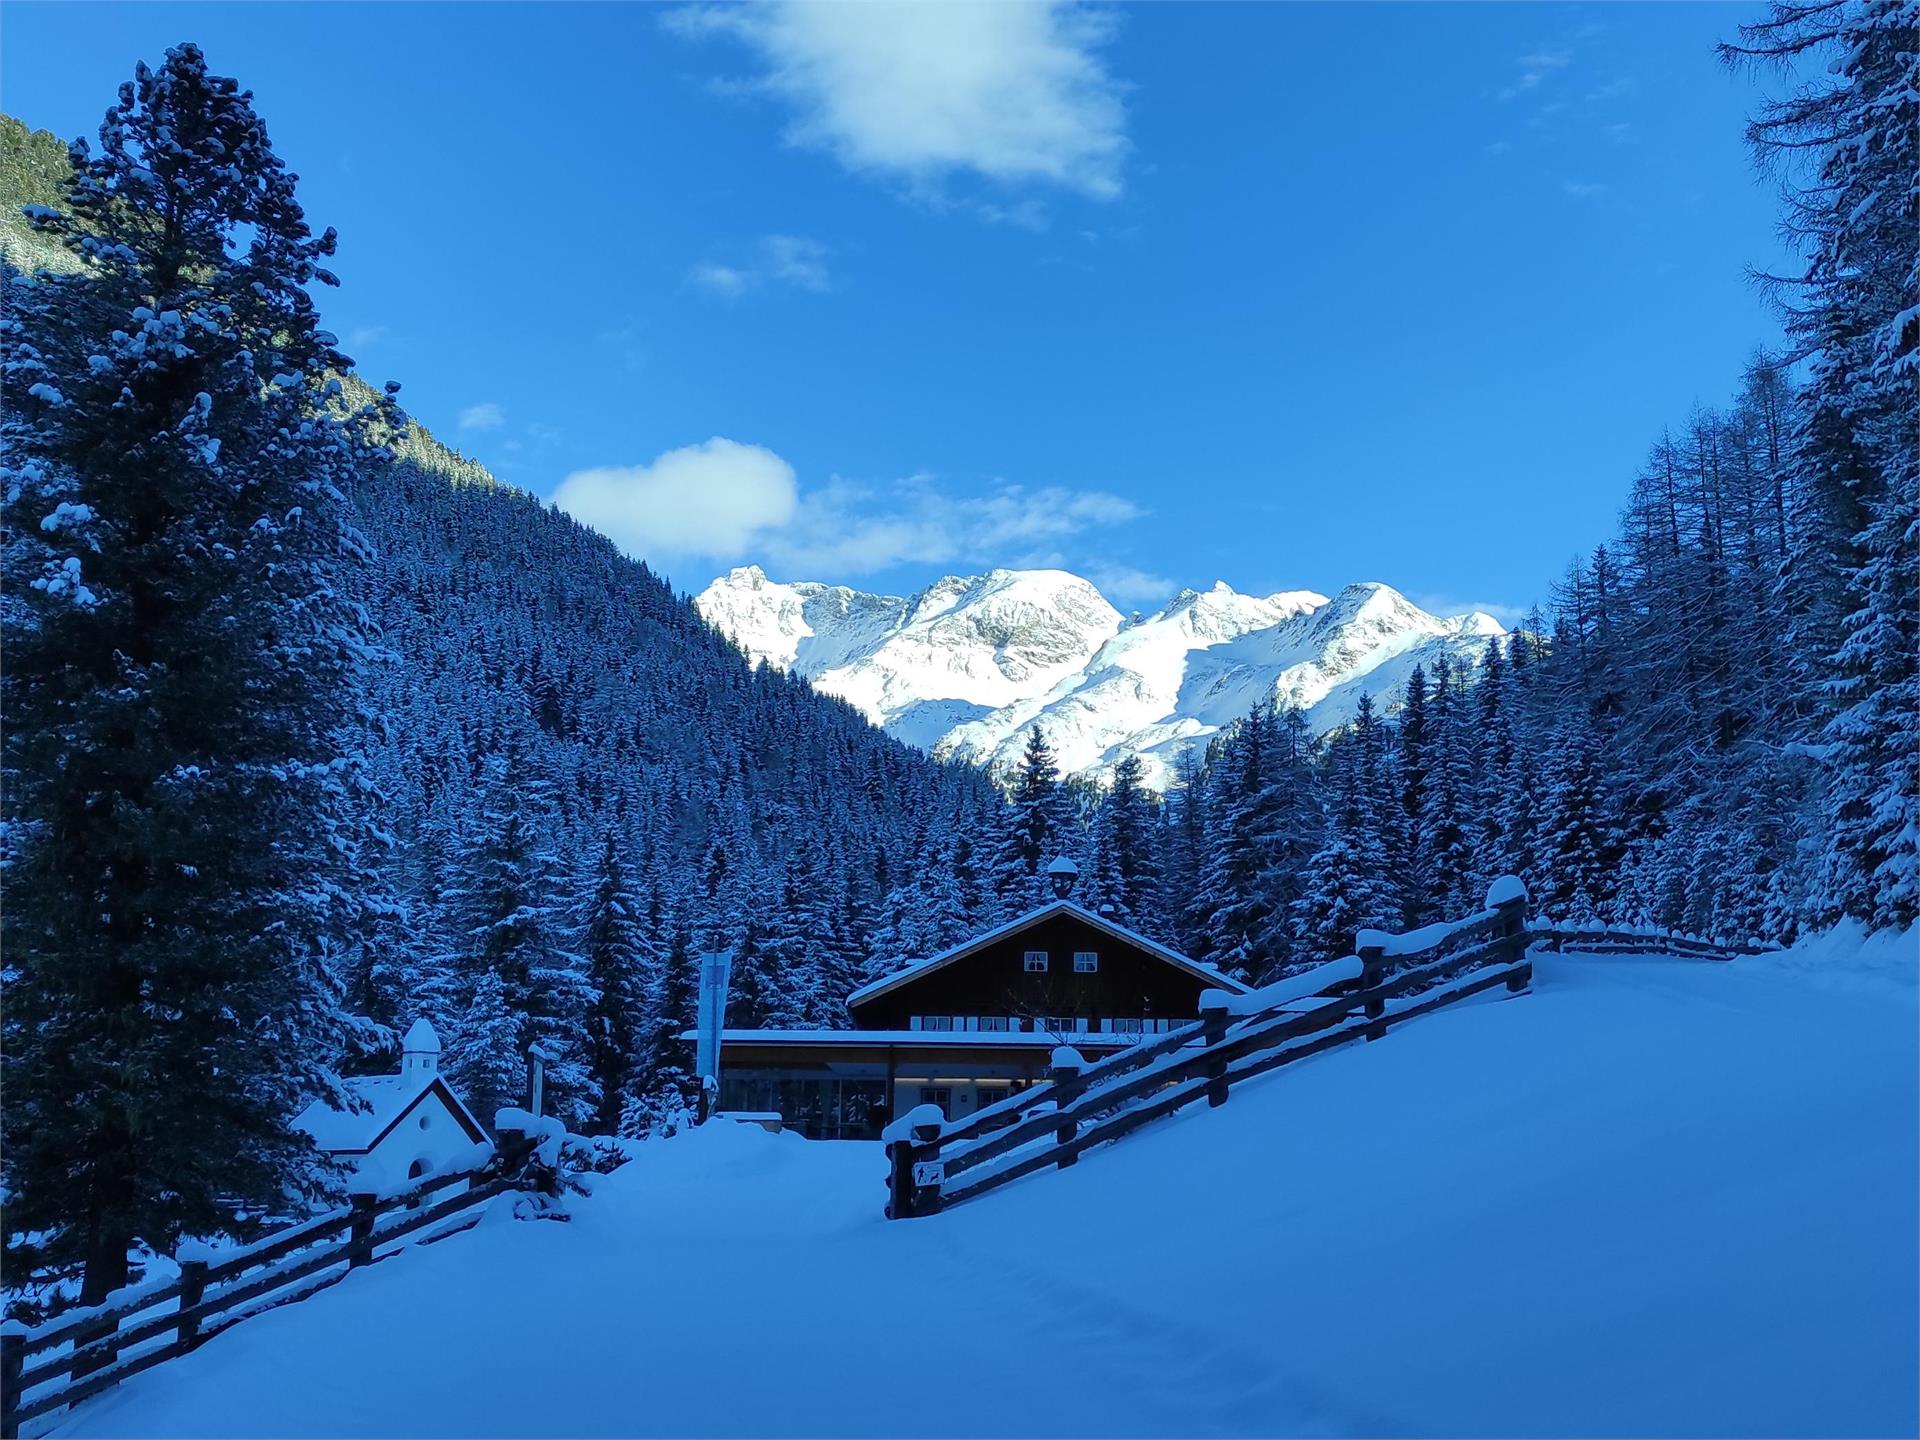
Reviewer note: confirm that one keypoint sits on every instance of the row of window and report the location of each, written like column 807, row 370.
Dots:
column 1058, row 1024
column 1085, row 962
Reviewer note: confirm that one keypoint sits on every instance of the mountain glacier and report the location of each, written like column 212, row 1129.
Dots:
column 963, row 668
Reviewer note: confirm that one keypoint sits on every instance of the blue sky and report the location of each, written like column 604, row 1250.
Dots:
column 1287, row 295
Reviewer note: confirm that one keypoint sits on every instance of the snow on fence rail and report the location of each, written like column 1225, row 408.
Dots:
column 1594, row 938
column 93, row 1349
column 934, row 1162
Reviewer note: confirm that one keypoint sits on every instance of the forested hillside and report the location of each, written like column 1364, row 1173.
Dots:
column 565, row 783
column 1715, row 727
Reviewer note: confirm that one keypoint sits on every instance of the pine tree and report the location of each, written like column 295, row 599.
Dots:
column 508, row 922
column 614, row 947
column 1849, row 156
column 1577, row 848
column 1348, row 879
column 669, row 1091
column 183, row 844
column 1038, row 829
column 1447, row 819
column 1124, row 869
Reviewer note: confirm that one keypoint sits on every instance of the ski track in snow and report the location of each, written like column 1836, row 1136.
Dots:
column 1652, row 1197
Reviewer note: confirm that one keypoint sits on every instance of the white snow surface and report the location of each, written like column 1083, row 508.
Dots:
column 1650, row 1198
column 968, row 665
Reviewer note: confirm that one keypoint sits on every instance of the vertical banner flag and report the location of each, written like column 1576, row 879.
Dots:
column 716, row 969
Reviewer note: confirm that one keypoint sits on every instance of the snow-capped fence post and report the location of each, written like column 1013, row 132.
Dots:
column 914, row 1169
column 13, row 1356
column 1213, row 1021
column 1507, row 898
column 1372, row 950
column 1064, row 1071
column 360, row 1231
column 193, row 1289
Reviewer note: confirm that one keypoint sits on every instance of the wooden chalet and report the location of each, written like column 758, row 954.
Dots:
column 963, row 1028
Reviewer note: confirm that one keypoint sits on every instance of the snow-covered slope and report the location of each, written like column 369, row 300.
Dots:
column 966, row 666
column 1651, row 1198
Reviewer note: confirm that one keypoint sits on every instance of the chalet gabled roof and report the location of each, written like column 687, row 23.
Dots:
column 391, row 1099
column 1213, row 975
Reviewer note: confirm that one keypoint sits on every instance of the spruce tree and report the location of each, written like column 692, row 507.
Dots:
column 509, row 923
column 182, row 662
column 614, row 948
column 669, row 1091
column 1038, row 828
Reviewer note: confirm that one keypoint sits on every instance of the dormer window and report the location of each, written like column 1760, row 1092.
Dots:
column 1036, row 962
column 1086, row 962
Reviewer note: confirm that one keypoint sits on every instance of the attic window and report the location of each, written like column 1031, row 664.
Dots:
column 1086, row 962
column 1036, row 962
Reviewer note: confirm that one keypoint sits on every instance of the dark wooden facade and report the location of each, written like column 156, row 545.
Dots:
column 964, row 1028
column 1132, row 979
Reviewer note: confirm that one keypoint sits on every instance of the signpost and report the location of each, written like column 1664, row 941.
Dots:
column 536, row 1079
column 716, row 971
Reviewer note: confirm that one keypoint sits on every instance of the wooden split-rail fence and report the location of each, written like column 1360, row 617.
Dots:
column 88, row 1352
column 934, row 1162
column 1596, row 939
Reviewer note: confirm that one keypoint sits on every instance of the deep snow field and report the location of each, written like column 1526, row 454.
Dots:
column 1650, row 1198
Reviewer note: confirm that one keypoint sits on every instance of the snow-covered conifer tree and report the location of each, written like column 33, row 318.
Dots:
column 181, row 669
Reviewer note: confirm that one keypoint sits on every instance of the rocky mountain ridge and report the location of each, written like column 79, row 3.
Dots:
column 966, row 666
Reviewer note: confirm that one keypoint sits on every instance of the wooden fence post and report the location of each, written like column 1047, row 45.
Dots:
column 926, row 1198
column 900, row 1182
column 1507, row 898
column 1214, row 1020
column 193, row 1289
column 1063, row 1073
column 1373, row 974
column 360, row 1237
column 13, row 1357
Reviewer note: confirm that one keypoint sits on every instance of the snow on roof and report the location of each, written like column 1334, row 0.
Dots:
column 388, row 1097
column 420, row 1039
column 1062, row 865
column 1212, row 974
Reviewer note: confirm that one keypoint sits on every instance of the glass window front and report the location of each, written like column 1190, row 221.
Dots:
column 1036, row 961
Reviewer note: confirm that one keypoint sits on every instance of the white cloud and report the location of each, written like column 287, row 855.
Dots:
column 1536, row 66
column 724, row 280
column 709, row 500
column 365, row 336
column 1013, row 93
column 486, row 416
column 1129, row 585
column 1583, row 189
column 796, row 260
column 1437, row 604
column 724, row 502
column 777, row 259
column 848, row 529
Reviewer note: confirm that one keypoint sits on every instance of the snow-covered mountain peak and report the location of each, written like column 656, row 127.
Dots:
column 966, row 666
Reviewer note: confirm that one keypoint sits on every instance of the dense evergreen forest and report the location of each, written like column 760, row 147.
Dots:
column 313, row 728
column 1715, row 726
